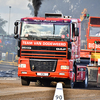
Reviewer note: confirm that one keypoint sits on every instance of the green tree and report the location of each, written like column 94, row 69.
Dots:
column 2, row 24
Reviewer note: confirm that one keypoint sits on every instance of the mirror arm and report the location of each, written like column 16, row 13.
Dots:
column 74, row 40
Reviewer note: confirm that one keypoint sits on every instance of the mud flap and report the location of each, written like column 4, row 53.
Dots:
column 85, row 82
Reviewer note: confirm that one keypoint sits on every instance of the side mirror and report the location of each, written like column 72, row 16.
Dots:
column 76, row 31
column 16, row 30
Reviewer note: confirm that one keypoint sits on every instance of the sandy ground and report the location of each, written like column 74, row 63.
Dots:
column 11, row 89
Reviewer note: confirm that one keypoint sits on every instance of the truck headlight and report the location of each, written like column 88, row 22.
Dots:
column 22, row 65
column 64, row 67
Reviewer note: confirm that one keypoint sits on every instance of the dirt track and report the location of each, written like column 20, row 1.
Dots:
column 11, row 89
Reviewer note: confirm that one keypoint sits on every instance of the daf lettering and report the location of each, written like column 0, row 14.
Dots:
column 62, row 49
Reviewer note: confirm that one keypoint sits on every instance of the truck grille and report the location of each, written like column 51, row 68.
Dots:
column 43, row 65
column 43, row 52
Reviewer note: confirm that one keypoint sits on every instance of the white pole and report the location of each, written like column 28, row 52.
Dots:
column 95, row 55
column 9, row 20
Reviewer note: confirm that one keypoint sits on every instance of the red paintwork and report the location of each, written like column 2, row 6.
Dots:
column 52, row 74
column 80, row 74
column 85, row 53
column 44, row 43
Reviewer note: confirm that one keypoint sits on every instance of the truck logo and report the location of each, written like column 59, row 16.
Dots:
column 61, row 49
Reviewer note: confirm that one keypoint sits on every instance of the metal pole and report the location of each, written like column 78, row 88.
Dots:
column 95, row 54
column 9, row 19
column 90, row 59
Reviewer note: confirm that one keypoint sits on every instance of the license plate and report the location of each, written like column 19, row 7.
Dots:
column 42, row 74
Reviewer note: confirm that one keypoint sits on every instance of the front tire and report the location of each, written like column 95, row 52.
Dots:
column 71, row 84
column 25, row 82
column 85, row 82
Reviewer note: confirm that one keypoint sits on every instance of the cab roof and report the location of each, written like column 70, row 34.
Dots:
column 48, row 19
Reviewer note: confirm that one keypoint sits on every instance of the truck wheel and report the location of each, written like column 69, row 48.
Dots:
column 85, row 82
column 25, row 81
column 71, row 84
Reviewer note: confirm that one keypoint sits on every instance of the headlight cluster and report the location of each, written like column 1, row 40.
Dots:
column 22, row 65
column 64, row 67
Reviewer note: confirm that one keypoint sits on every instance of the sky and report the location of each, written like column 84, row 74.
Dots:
column 19, row 9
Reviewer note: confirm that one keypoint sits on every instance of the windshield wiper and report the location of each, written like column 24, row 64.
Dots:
column 53, row 29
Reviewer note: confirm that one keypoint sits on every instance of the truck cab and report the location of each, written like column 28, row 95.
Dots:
column 48, row 49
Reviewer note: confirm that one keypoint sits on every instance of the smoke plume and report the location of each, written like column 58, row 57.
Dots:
column 36, row 5
column 31, row 8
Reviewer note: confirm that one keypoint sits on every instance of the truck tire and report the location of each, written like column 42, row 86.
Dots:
column 25, row 81
column 85, row 82
column 70, row 83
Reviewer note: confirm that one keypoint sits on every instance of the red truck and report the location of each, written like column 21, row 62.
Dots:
column 49, row 49
column 90, row 46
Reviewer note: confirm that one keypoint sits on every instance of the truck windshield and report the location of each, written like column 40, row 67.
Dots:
column 46, row 30
column 94, row 32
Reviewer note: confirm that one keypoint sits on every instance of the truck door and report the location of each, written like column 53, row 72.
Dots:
column 75, row 42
